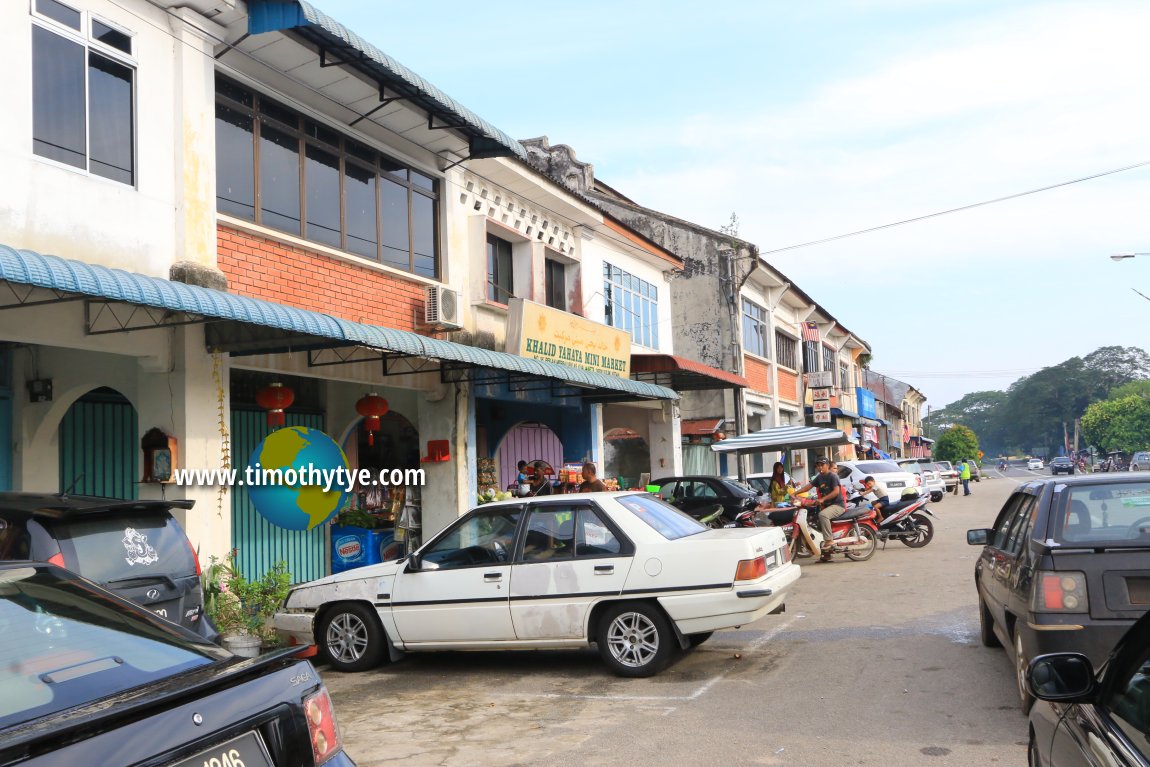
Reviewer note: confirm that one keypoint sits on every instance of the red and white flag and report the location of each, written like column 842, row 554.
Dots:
column 811, row 332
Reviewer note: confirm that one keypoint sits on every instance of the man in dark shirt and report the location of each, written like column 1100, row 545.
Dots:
column 830, row 495
column 591, row 483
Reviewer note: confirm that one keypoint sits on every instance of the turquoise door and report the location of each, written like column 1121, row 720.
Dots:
column 99, row 446
column 259, row 543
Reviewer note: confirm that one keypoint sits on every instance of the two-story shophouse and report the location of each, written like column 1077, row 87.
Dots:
column 216, row 207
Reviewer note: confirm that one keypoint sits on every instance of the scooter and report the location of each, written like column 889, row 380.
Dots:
column 906, row 521
column 854, row 533
column 801, row 539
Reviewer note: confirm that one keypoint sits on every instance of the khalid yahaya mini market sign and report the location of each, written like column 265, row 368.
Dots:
column 543, row 333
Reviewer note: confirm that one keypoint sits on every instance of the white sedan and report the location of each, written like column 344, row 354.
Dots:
column 1034, row 464
column 625, row 571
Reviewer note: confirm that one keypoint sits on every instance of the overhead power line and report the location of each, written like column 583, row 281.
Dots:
column 954, row 210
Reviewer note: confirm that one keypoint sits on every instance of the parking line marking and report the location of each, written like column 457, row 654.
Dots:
column 702, row 690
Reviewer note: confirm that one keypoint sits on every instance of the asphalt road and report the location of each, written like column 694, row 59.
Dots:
column 873, row 663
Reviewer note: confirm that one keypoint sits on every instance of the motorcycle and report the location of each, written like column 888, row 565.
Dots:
column 854, row 532
column 906, row 521
column 801, row 539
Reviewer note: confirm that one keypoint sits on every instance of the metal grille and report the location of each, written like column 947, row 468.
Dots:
column 98, row 446
column 259, row 543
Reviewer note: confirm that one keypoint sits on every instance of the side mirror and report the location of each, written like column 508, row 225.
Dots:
column 979, row 537
column 414, row 562
column 1066, row 677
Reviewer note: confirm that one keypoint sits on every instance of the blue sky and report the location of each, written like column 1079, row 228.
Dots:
column 812, row 119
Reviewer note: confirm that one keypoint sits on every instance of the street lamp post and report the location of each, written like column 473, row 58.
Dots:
column 1125, row 256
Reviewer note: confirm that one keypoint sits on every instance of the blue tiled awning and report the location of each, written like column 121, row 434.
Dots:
column 316, row 26
column 79, row 279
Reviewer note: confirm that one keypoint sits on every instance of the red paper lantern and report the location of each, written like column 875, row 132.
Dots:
column 371, row 407
column 275, row 398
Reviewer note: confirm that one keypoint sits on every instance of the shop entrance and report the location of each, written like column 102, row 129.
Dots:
column 626, row 456
column 527, row 442
column 99, row 445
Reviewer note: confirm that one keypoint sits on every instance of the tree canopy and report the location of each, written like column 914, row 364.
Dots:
column 956, row 444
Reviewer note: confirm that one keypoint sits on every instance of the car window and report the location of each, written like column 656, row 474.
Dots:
column 1007, row 516
column 844, row 472
column 702, row 490
column 668, row 491
column 877, row 467
column 484, row 537
column 1021, row 524
column 64, row 644
column 593, row 538
column 1115, row 514
column 550, row 533
column 665, row 519
column 110, row 547
column 1129, row 703
column 740, row 487
column 15, row 543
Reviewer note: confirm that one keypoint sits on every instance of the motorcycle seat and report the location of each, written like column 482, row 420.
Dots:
column 852, row 514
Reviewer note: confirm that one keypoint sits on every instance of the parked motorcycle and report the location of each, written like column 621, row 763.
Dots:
column 854, row 533
column 801, row 539
column 907, row 521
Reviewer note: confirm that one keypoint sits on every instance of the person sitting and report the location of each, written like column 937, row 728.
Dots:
column 779, row 488
column 881, row 499
column 829, row 493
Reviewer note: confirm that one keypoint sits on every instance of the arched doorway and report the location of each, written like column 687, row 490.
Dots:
column 626, row 455
column 527, row 441
column 99, row 446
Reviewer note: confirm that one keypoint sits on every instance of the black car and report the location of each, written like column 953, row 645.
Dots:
column 135, row 548
column 1085, row 719
column 698, row 496
column 90, row 678
column 1061, row 465
column 1065, row 568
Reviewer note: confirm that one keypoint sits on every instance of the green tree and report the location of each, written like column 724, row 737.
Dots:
column 1121, row 423
column 956, row 443
column 981, row 411
column 1138, row 388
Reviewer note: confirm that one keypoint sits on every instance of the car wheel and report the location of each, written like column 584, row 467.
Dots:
column 635, row 639
column 350, row 638
column 694, row 640
column 866, row 548
column 1032, row 759
column 986, row 626
column 1025, row 699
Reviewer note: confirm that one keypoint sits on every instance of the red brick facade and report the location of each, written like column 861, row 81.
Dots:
column 789, row 386
column 758, row 374
column 263, row 268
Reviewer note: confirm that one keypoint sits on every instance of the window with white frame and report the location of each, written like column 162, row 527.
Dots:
column 631, row 304
column 785, row 350
column 755, row 329
column 83, row 92
column 829, row 360
column 500, row 281
column 810, row 356
column 844, row 376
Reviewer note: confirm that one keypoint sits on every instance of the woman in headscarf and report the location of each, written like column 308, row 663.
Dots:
column 778, row 488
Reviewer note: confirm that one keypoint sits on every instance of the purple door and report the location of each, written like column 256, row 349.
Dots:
column 527, row 442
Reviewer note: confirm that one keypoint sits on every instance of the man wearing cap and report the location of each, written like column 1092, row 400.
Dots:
column 829, row 490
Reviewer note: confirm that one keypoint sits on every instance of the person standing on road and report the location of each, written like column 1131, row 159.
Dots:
column 829, row 502
column 964, row 475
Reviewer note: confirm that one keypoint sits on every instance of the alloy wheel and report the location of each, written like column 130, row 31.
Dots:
column 633, row 639
column 347, row 637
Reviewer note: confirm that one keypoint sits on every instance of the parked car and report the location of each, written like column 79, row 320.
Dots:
column 1034, row 464
column 1061, row 465
column 1088, row 718
column 949, row 474
column 1140, row 461
column 90, row 678
column 136, row 549
column 624, row 571
column 895, row 477
column 699, row 495
column 1064, row 568
column 928, row 475
column 975, row 470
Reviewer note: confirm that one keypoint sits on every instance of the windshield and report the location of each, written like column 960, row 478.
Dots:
column 739, row 488
column 1106, row 515
column 662, row 517
column 64, row 644
column 877, row 467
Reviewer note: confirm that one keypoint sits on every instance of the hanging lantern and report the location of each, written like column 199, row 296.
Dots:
column 275, row 398
column 371, row 407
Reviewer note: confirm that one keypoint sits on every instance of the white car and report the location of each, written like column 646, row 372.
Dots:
column 929, row 474
column 896, row 479
column 625, row 571
column 1034, row 464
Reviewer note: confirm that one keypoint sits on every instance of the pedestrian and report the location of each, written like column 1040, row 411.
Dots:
column 829, row 503
column 964, row 475
column 591, row 483
column 541, row 484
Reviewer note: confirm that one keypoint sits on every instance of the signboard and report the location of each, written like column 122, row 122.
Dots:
column 870, row 434
column 821, row 406
column 865, row 402
column 542, row 333
column 822, row 417
column 820, row 379
column 821, row 394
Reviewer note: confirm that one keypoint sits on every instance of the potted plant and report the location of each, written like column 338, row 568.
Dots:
column 242, row 609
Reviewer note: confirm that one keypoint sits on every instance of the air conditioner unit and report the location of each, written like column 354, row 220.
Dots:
column 442, row 307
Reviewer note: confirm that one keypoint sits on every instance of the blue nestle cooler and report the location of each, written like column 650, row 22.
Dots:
column 353, row 547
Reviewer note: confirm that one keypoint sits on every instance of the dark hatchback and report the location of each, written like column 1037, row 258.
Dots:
column 135, row 548
column 699, row 495
column 90, row 678
column 1066, row 568
column 1061, row 465
column 1082, row 720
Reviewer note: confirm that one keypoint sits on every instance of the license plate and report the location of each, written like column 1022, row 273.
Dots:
column 895, row 484
column 245, row 751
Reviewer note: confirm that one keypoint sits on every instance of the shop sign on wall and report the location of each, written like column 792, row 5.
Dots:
column 543, row 333
column 822, row 417
column 821, row 395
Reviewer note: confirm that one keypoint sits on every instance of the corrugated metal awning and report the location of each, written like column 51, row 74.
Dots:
column 781, row 438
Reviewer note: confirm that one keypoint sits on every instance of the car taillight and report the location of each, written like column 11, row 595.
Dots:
column 751, row 569
column 321, row 727
column 787, row 553
column 195, row 557
column 1059, row 593
column 56, row 559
